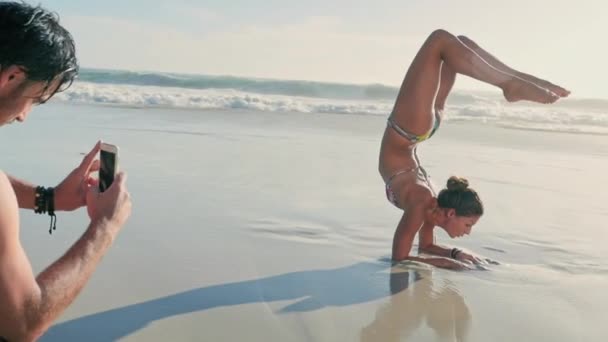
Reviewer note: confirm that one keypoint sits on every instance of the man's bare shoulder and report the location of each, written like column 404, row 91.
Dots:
column 6, row 189
column 9, row 209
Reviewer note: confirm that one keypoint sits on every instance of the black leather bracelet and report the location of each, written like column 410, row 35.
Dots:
column 50, row 192
column 44, row 202
column 454, row 253
column 40, row 200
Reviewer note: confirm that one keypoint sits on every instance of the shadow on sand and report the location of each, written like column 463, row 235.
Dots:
column 311, row 290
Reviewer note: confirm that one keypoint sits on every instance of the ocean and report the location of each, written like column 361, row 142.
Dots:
column 150, row 89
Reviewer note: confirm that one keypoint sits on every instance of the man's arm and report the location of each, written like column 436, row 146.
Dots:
column 24, row 192
column 31, row 304
column 70, row 193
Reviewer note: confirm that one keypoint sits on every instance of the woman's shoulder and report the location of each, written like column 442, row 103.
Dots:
column 419, row 195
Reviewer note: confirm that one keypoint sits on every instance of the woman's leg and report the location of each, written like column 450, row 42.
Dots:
column 447, row 79
column 448, row 76
column 495, row 62
column 420, row 86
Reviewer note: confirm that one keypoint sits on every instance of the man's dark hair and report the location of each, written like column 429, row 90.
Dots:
column 31, row 37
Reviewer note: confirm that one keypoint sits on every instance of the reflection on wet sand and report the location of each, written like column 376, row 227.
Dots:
column 417, row 299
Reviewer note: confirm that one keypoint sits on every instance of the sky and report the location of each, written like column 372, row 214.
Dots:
column 346, row 41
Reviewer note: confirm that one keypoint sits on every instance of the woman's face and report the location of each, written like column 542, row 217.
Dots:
column 457, row 226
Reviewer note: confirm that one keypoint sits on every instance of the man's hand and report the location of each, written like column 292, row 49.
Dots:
column 70, row 194
column 112, row 205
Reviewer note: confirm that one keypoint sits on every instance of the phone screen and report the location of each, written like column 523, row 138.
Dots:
column 106, row 169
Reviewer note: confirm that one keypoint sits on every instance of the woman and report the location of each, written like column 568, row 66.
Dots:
column 416, row 116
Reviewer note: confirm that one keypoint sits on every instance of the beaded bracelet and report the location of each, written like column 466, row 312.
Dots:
column 44, row 202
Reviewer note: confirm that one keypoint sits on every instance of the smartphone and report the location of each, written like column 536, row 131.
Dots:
column 108, row 165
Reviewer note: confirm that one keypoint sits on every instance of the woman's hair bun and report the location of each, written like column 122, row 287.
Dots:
column 457, row 183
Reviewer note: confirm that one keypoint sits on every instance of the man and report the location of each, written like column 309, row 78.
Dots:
column 37, row 59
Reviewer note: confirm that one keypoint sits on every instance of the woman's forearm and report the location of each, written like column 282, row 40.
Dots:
column 436, row 250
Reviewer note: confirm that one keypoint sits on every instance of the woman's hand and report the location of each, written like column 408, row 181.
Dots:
column 472, row 259
column 450, row 264
column 465, row 257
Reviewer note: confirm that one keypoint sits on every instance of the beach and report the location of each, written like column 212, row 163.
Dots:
column 262, row 225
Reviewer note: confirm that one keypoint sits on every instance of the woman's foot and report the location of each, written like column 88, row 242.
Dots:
column 545, row 84
column 518, row 89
